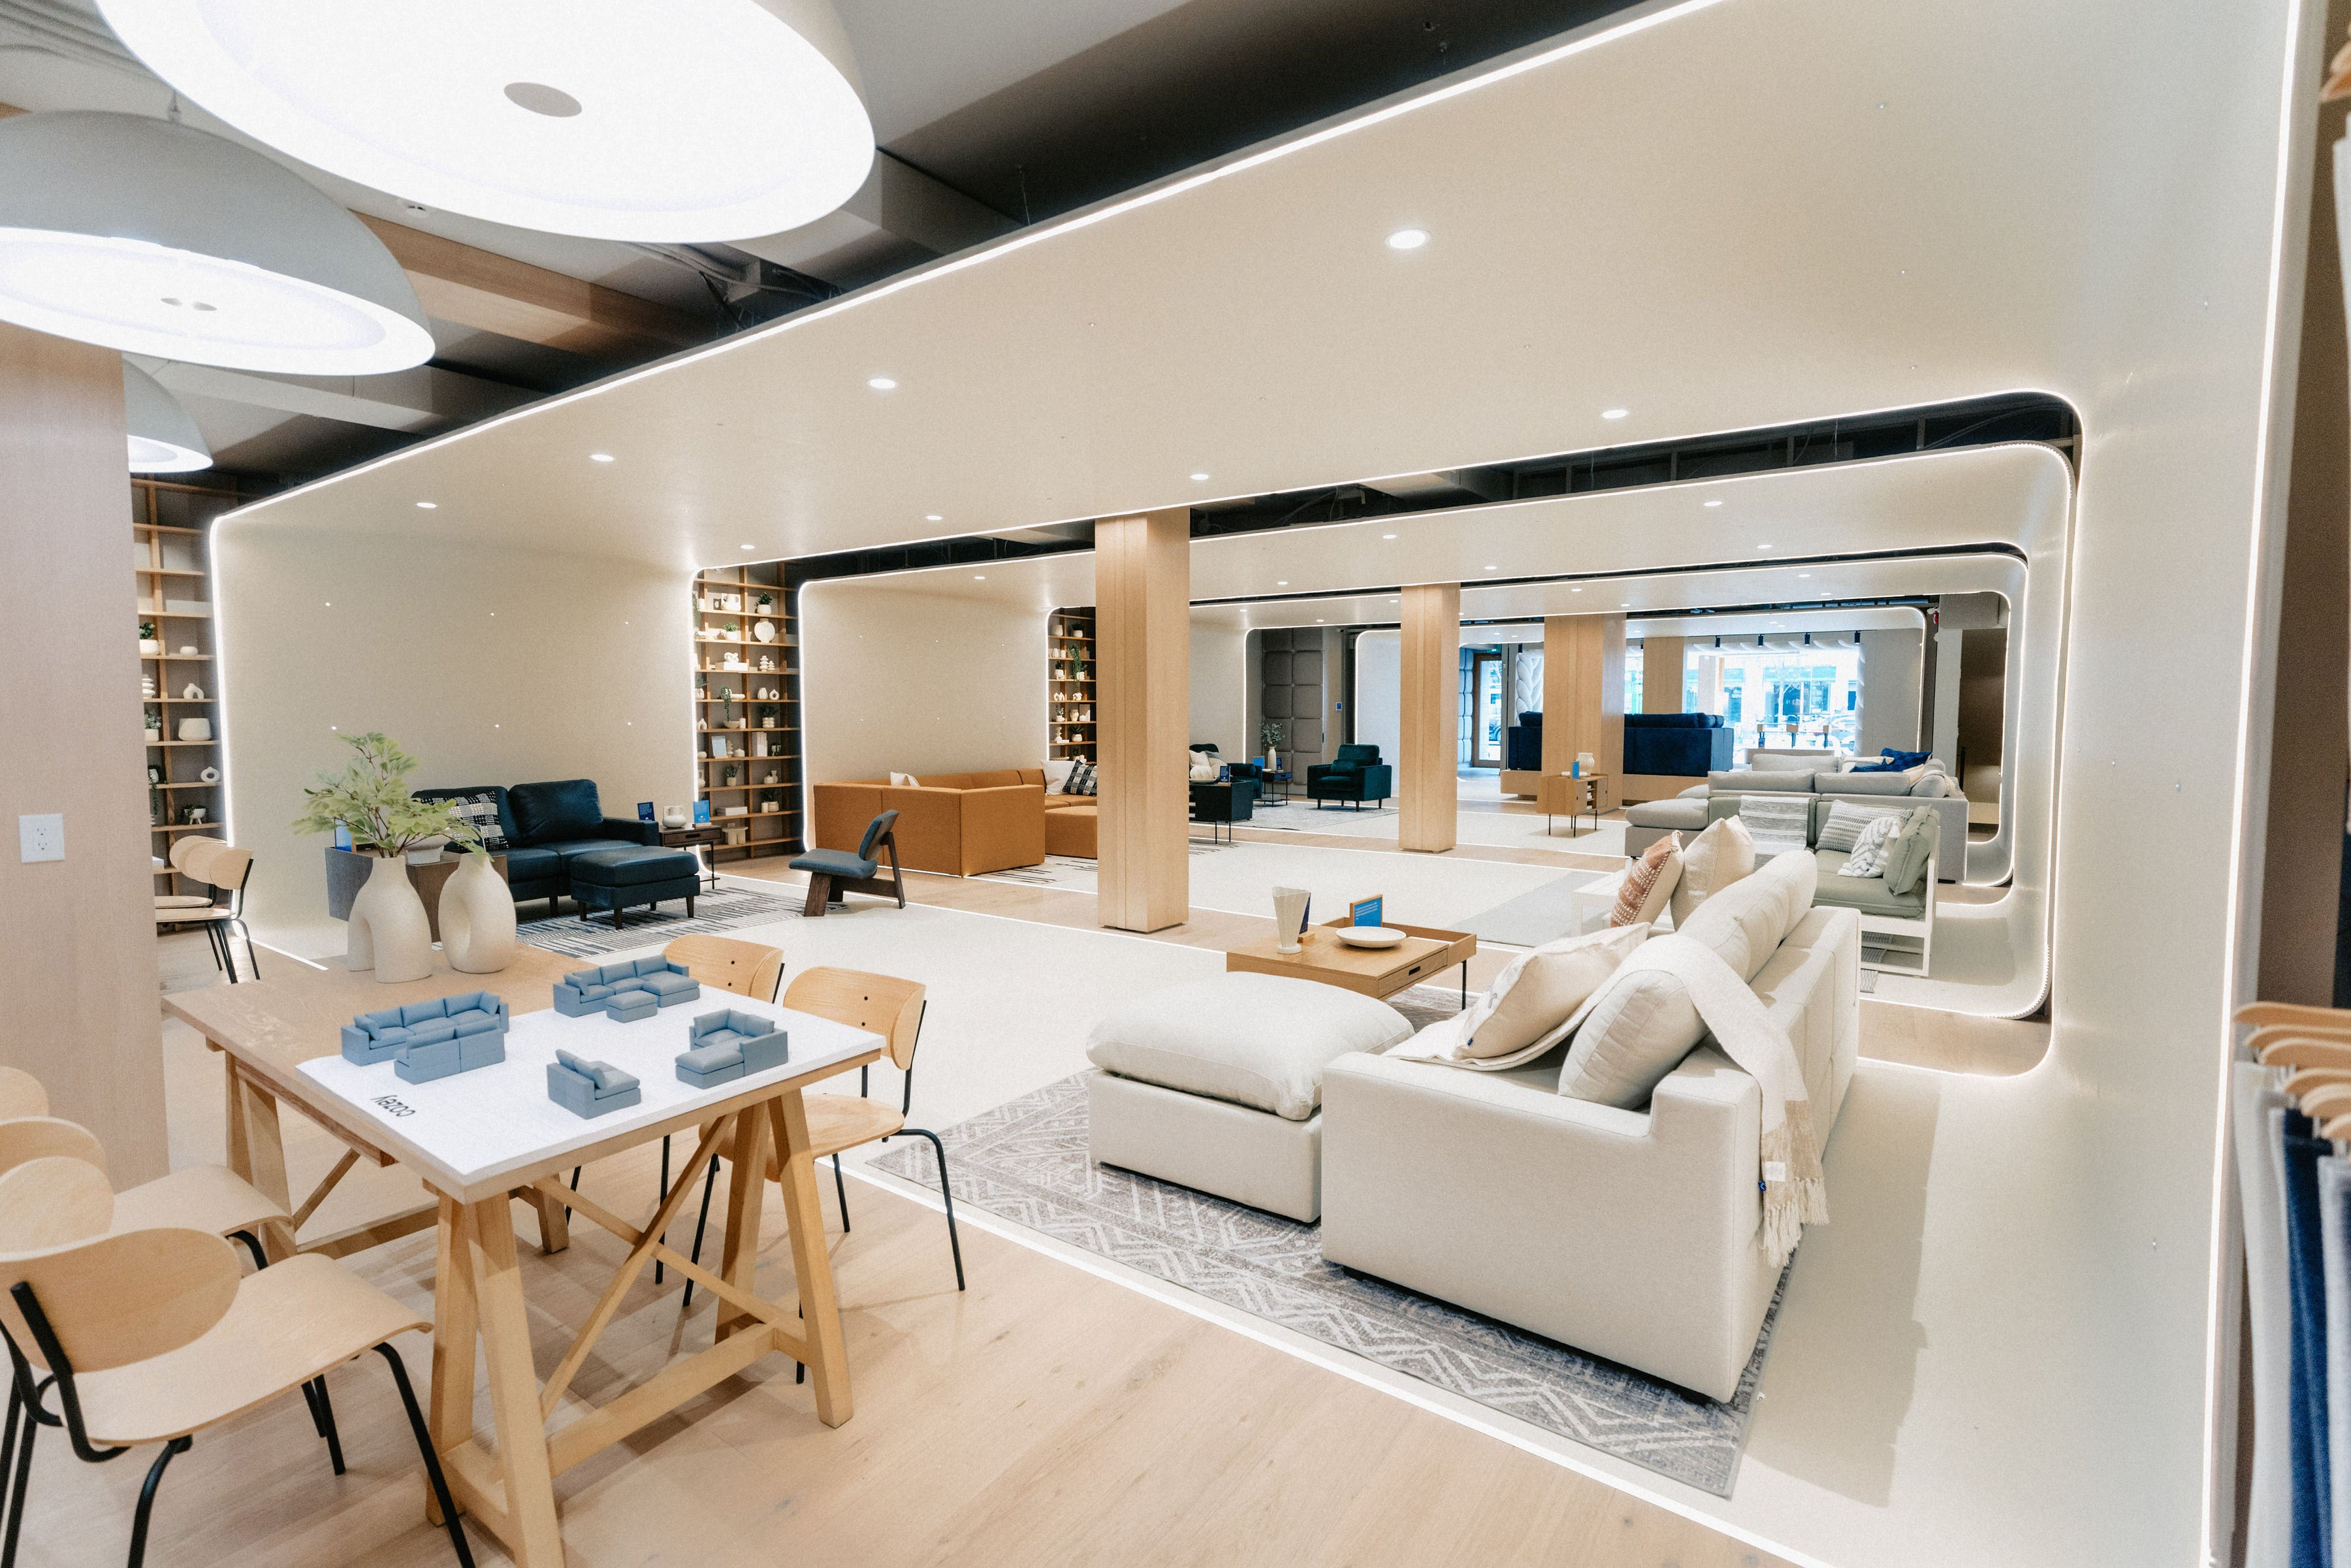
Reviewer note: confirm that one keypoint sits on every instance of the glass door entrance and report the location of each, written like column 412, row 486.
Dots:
column 1486, row 733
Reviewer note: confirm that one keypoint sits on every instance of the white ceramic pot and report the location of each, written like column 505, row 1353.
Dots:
column 150, row 647
column 477, row 919
column 389, row 932
column 427, row 852
column 676, row 817
column 195, row 729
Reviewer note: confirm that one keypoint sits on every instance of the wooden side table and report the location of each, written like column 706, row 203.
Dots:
column 696, row 839
column 1570, row 795
column 1380, row 972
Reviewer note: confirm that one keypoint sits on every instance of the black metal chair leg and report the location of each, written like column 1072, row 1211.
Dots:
column 326, row 1414
column 432, row 1461
column 171, row 1450
column 708, row 1182
column 574, row 1187
column 8, row 1456
column 253, row 1244
column 659, row 1198
column 251, row 957
column 23, row 1482
column 841, row 1190
column 952, row 1241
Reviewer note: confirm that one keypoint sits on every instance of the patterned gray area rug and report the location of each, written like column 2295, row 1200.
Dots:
column 725, row 910
column 1027, row 1161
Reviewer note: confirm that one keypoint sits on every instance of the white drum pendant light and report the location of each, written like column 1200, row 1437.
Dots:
column 623, row 119
column 158, row 239
column 163, row 439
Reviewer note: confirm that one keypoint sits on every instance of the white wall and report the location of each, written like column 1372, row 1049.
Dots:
column 493, row 666
column 899, row 681
column 1891, row 665
column 1378, row 694
column 1219, row 690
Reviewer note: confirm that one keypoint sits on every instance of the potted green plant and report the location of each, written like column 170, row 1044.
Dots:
column 1268, row 734
column 370, row 798
column 150, row 642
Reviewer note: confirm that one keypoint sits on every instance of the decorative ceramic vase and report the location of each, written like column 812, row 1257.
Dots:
column 477, row 919
column 428, row 852
column 674, row 817
column 187, row 650
column 1289, row 916
column 765, row 630
column 389, row 932
column 209, row 776
column 195, row 729
column 192, row 692
column 150, row 647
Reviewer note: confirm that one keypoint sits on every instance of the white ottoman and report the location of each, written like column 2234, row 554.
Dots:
column 1218, row 1085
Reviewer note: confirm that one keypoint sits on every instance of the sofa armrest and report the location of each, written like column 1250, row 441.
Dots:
column 1379, row 781
column 632, row 830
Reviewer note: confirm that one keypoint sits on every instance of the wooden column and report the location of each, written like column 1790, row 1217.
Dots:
column 1430, row 731
column 1143, row 615
column 77, row 935
column 1661, row 674
column 1584, row 692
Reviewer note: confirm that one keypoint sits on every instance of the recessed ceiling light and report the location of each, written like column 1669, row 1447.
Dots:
column 428, row 505
column 750, row 546
column 1407, row 239
column 1628, row 604
column 1763, row 547
column 156, row 238
column 1198, row 478
column 1575, row 591
column 933, row 518
column 1387, row 535
column 598, row 120
column 1492, row 567
column 1804, row 574
column 1320, row 622
column 599, row 457
column 1284, row 582
column 1713, row 503
column 1615, row 412
column 881, row 383
column 980, row 577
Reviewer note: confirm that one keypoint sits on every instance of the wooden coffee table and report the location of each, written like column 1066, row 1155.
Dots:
column 1379, row 972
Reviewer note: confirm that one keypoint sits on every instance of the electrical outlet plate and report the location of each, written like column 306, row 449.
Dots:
column 41, row 837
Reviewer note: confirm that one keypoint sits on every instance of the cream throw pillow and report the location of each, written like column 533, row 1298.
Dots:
column 902, row 782
column 1746, row 922
column 1638, row 1030
column 1715, row 859
column 1539, row 991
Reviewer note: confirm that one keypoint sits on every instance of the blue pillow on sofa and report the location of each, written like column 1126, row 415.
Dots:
column 1892, row 761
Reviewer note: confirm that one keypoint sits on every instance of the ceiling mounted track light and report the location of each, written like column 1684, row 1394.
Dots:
column 622, row 120
column 155, row 238
column 163, row 439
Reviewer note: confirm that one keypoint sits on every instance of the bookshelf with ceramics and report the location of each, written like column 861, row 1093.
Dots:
column 746, row 708
column 171, row 534
column 1070, row 685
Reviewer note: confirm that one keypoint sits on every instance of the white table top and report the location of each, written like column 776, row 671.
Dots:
column 471, row 1127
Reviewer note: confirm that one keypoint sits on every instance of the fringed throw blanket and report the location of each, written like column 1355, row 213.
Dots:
column 1795, row 1193
column 1778, row 824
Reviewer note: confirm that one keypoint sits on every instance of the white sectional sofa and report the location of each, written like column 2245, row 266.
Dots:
column 1629, row 1234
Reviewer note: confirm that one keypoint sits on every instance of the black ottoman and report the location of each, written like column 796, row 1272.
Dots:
column 618, row 879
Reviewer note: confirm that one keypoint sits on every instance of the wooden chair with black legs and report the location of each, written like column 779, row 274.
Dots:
column 225, row 869
column 894, row 1009
column 200, row 1198
column 152, row 1336
column 729, row 963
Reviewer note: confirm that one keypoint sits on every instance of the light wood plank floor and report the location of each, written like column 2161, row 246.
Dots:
column 1045, row 1417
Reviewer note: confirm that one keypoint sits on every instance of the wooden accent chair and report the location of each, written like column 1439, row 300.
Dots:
column 210, row 1198
column 225, row 869
column 894, row 1009
column 21, row 1094
column 834, row 873
column 150, row 1336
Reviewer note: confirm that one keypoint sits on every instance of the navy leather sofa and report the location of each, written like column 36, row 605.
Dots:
column 546, row 826
column 1690, row 744
column 1522, row 744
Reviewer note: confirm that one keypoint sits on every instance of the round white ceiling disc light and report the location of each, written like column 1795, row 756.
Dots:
column 164, row 438
column 1407, row 239
column 622, row 120
column 158, row 239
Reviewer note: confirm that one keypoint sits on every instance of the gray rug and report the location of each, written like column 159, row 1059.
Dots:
column 1533, row 918
column 1027, row 1162
column 725, row 910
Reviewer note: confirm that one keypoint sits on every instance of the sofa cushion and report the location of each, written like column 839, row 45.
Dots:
column 632, row 865
column 566, row 850
column 1867, row 856
column 1744, row 780
column 1841, row 826
column 1746, row 922
column 1680, row 814
column 1718, row 857
column 1057, row 773
column 1869, row 894
column 556, row 808
column 1778, row 823
column 1539, row 992
column 1906, row 852
column 1870, row 783
column 1640, row 1027
column 1261, row 1041
column 1648, row 883
column 524, row 867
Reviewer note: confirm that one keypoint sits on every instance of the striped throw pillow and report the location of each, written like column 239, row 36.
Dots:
column 1843, row 830
column 1650, row 878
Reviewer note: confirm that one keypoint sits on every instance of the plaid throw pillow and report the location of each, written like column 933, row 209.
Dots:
column 1641, row 880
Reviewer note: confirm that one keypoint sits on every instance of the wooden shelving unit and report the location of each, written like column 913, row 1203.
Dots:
column 170, row 532
column 1070, row 685
column 731, row 686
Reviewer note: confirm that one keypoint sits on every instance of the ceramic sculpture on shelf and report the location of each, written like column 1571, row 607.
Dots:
column 477, row 917
column 194, row 692
column 195, row 729
column 208, row 775
column 389, row 931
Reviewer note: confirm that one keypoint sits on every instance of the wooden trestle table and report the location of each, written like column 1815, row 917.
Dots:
column 268, row 1029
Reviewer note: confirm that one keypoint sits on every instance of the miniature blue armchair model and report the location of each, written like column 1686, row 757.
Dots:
column 586, row 991
column 726, row 1045
column 477, row 1016
column 590, row 1088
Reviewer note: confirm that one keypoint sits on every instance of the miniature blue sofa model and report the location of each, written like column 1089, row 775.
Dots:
column 590, row 1088
column 726, row 1045
column 586, row 991
column 377, row 1037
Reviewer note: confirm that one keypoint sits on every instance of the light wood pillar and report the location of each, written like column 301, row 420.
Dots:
column 1143, row 628
column 1429, row 787
column 1584, row 692
column 1661, row 674
column 77, row 935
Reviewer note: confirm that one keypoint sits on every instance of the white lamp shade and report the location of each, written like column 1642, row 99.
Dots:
column 163, row 439
column 155, row 238
column 623, row 120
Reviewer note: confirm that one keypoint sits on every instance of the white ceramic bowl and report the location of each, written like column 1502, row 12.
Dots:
column 1368, row 935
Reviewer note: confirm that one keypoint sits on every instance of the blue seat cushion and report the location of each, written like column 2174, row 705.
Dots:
column 632, row 865
column 667, row 985
column 524, row 867
column 569, row 851
column 834, row 863
column 555, row 809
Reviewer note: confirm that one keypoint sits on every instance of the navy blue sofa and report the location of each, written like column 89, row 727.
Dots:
column 1688, row 743
column 1522, row 744
column 545, row 827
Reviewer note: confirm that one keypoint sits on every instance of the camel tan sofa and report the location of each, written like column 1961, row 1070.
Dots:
column 958, row 823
